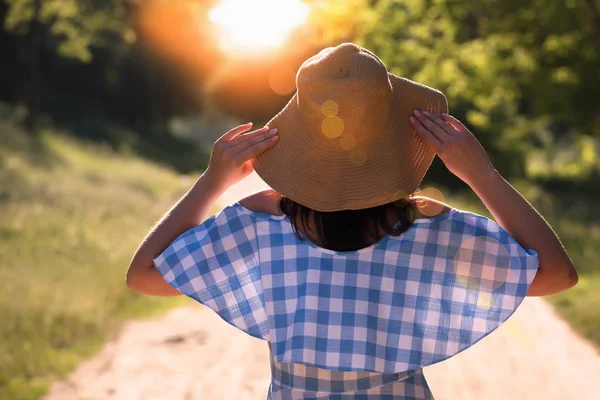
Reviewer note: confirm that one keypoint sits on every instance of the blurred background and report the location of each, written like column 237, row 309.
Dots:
column 108, row 110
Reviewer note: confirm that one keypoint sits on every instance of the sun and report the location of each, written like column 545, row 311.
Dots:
column 246, row 26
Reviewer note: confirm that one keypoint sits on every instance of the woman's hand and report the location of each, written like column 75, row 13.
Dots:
column 231, row 154
column 456, row 146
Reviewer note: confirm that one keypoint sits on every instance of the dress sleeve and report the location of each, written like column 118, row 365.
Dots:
column 487, row 276
column 216, row 263
column 488, row 259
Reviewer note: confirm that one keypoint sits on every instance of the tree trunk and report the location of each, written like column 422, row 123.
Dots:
column 35, row 43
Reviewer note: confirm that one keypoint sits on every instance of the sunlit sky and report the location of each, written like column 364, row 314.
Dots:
column 245, row 26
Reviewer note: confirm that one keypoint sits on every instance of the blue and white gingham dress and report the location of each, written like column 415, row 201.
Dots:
column 355, row 324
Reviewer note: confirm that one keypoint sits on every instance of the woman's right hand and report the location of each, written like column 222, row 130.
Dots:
column 456, row 146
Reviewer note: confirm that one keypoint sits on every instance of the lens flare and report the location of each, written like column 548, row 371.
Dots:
column 329, row 108
column 481, row 264
column 282, row 81
column 245, row 26
column 347, row 141
column 358, row 157
column 332, row 127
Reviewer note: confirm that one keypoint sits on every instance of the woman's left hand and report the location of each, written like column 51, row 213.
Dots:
column 455, row 145
column 230, row 160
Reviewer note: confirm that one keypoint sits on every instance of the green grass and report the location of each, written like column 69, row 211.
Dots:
column 71, row 217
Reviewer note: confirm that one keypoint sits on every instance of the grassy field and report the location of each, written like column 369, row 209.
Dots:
column 72, row 215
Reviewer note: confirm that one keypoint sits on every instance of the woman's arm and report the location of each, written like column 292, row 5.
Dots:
column 188, row 212
column 514, row 213
column 229, row 163
column 464, row 156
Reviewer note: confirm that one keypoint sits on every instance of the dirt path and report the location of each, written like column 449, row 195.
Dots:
column 190, row 353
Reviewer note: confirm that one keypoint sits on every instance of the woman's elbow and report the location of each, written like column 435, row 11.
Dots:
column 147, row 280
column 134, row 279
column 551, row 281
column 573, row 278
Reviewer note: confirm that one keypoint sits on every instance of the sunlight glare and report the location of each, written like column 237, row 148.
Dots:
column 246, row 26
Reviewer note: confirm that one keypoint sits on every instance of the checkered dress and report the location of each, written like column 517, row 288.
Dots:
column 353, row 324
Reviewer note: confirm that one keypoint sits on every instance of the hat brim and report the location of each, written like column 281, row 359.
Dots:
column 322, row 175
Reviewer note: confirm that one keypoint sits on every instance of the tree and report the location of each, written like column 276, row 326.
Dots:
column 67, row 27
column 520, row 75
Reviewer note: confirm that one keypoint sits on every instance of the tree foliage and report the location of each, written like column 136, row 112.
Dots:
column 520, row 74
column 524, row 76
column 74, row 25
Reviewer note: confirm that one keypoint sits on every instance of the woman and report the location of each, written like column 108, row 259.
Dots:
column 354, row 281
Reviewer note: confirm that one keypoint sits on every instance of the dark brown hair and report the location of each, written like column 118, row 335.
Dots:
column 349, row 230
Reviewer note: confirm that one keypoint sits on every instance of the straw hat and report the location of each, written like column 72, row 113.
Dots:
column 345, row 141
